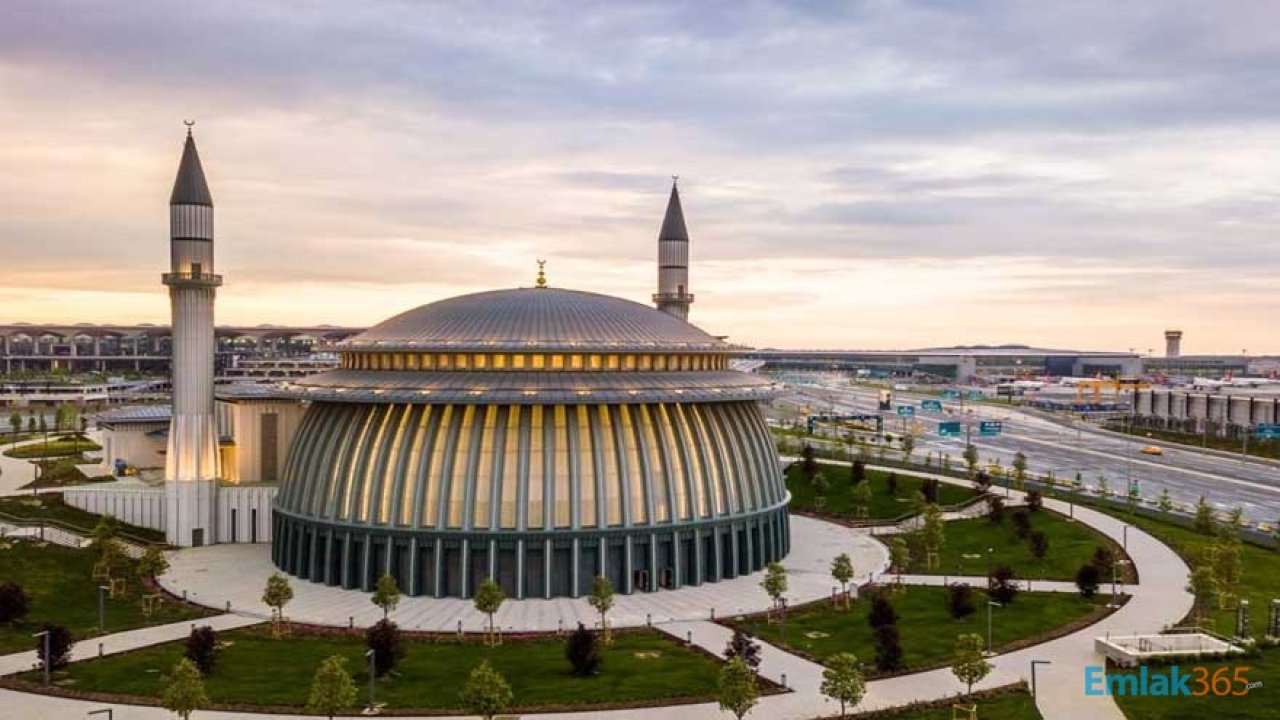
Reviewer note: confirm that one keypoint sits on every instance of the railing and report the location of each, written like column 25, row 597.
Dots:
column 202, row 278
column 49, row 529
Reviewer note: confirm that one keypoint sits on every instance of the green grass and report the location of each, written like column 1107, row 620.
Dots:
column 1258, row 704
column 1071, row 544
column 639, row 666
column 56, row 447
column 60, row 582
column 884, row 505
column 1012, row 707
column 928, row 632
column 51, row 508
column 1257, row 448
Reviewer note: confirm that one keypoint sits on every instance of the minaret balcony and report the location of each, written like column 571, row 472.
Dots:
column 673, row 297
column 191, row 279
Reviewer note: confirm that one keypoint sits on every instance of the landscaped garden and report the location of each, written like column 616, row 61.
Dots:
column 59, row 583
column 888, row 495
column 926, row 628
column 1256, row 704
column 50, row 507
column 254, row 668
column 55, row 447
column 1011, row 706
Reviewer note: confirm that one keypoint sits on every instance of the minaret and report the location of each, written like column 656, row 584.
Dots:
column 673, row 296
column 191, row 465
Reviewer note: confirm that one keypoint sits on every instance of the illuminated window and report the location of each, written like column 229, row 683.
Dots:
column 595, row 362
column 659, row 362
column 428, row 361
column 537, row 464
column 460, row 361
column 646, row 362
column 397, row 361
column 557, row 362
column 411, row 361
column 479, row 362
column 575, row 362
column 539, row 361
column 500, row 362
column 611, row 362
column 517, row 362
column 442, row 361
column 629, row 362
column 561, row 444
column 586, row 471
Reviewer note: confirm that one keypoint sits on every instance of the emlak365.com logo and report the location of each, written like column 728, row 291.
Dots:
column 1174, row 681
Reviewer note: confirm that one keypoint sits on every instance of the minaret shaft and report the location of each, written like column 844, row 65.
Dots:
column 673, row 296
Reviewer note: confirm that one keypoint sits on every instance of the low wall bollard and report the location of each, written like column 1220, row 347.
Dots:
column 689, row 636
column 713, row 614
column 99, row 649
column 184, row 596
column 648, row 620
column 228, row 606
column 784, row 681
column 351, row 622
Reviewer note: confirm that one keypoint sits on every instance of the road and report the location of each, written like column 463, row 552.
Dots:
column 1186, row 474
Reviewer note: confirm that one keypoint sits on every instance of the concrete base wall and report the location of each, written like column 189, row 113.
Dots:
column 241, row 514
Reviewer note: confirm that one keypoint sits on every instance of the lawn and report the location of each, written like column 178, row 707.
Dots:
column 50, row 507
column 1071, row 544
column 928, row 632
column 60, row 582
column 1013, row 707
column 640, row 665
column 56, row 447
column 1258, row 704
column 884, row 504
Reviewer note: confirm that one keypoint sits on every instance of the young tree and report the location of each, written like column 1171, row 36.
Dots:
column 202, row 649
column 842, row 681
column 60, row 642
column 808, row 463
column 820, row 484
column 1103, row 559
column 842, row 572
column 31, row 423
column 582, row 651
column 602, row 599
column 743, row 647
column 934, row 531
column 908, row 447
column 882, row 612
column 1021, row 524
column 1039, row 544
column 1020, row 470
column 1205, row 522
column 737, row 691
column 385, row 640
column 1235, row 519
column 486, row 693
column 891, row 484
column 1035, row 501
column 14, row 602
column 929, row 489
column 277, row 594
column 184, row 689
column 857, row 472
column 1227, row 564
column 489, row 597
column 1088, row 578
column 1164, row 502
column 152, row 563
column 862, row 499
column 888, row 643
column 332, row 688
column 775, row 583
column 1203, row 585
column 386, row 594
column 982, row 482
column 899, row 555
column 970, row 459
column 995, row 509
column 1004, row 585
column 1104, row 486
column 15, row 426
column 960, row 603
column 968, row 664
column 103, row 534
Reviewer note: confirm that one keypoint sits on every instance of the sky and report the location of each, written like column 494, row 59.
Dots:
column 863, row 175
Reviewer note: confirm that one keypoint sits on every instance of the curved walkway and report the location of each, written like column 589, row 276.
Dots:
column 1160, row 599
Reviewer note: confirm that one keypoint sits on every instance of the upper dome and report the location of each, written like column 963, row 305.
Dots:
column 536, row 318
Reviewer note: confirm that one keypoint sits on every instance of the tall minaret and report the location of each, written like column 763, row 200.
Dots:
column 191, row 465
column 673, row 296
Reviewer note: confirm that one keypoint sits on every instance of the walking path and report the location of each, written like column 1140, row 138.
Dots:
column 1160, row 599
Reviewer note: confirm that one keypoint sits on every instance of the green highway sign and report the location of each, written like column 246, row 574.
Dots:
column 931, row 405
column 949, row 429
column 906, row 411
column 1267, row 431
column 951, row 394
column 990, row 428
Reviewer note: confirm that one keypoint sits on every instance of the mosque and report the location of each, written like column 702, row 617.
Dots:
column 537, row 436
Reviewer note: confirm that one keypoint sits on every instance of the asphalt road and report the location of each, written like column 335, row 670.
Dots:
column 1187, row 474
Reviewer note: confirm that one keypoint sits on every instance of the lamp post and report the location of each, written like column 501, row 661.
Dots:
column 990, row 550
column 1034, row 663
column 1115, row 573
column 369, row 654
column 110, row 713
column 102, row 608
column 990, row 605
column 44, row 635
column 1126, row 538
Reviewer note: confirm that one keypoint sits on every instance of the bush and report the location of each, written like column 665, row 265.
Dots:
column 383, row 638
column 1039, row 544
column 888, row 648
column 1035, row 500
column 1088, row 577
column 995, row 510
column 743, row 646
column 1022, row 524
column 60, row 642
column 14, row 602
column 891, row 483
column 857, row 473
column 960, row 601
column 1004, row 586
column 882, row 612
column 929, row 488
column 982, row 481
column 583, row 651
column 1103, row 559
column 202, row 649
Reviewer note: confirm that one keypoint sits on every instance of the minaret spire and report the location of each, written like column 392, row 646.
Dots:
column 191, row 461
column 673, row 296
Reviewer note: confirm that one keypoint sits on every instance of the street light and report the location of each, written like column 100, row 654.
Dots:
column 45, row 635
column 369, row 654
column 990, row 604
column 104, row 711
column 1115, row 572
column 1034, row 663
column 1126, row 538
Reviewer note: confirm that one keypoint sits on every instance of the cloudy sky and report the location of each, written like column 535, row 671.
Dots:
column 855, row 174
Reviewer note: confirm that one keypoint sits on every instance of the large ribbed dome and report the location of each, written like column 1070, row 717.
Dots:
column 536, row 319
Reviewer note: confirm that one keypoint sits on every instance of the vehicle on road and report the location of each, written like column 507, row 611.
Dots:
column 1151, row 450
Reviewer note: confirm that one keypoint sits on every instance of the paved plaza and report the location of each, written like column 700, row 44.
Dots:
column 220, row 574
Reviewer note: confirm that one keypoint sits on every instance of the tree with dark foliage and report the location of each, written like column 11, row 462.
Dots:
column 1021, row 524
column 888, row 648
column 14, row 602
column 743, row 646
column 202, row 649
column 1035, row 500
column 995, row 509
column 960, row 601
column 1088, row 578
column 383, row 638
column 882, row 612
column 1004, row 585
column 60, row 642
column 583, row 651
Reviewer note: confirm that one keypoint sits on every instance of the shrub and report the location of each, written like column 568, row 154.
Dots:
column 1004, row 586
column 383, row 638
column 743, row 646
column 583, row 651
column 857, row 472
column 202, row 649
column 1035, row 500
column 60, row 641
column 14, row 602
column 960, row 601
column 891, row 483
column 995, row 509
column 1022, row 524
column 929, row 488
column 1039, row 544
column 888, row 648
column 1088, row 577
column 1103, row 558
column 882, row 612
column 982, row 481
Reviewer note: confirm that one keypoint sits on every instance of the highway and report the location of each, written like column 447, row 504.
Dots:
column 1187, row 474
